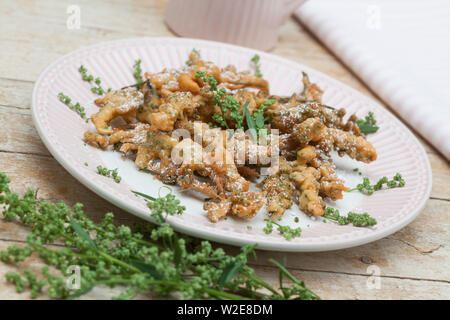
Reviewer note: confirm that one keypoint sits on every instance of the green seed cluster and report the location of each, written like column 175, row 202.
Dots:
column 68, row 101
column 365, row 187
column 227, row 103
column 287, row 232
column 357, row 219
column 207, row 79
column 367, row 125
column 255, row 61
column 97, row 88
column 109, row 173
column 138, row 72
column 148, row 258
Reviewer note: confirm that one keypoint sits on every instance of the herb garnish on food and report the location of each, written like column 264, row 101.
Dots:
column 138, row 72
column 154, row 259
column 367, row 125
column 256, row 121
column 227, row 103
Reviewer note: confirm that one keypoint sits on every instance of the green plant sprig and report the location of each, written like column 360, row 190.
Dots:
column 286, row 231
column 109, row 173
column 365, row 187
column 155, row 258
column 227, row 103
column 367, row 125
column 207, row 79
column 255, row 59
column 357, row 219
column 256, row 121
column 138, row 72
column 68, row 101
column 97, row 88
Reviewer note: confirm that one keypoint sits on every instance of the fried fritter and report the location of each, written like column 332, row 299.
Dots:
column 218, row 163
column 123, row 103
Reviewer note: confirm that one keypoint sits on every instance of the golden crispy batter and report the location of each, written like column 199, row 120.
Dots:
column 330, row 185
column 328, row 139
column 311, row 91
column 123, row 103
column 95, row 139
column 233, row 80
column 279, row 191
column 224, row 176
column 175, row 107
column 346, row 143
column 247, row 172
column 306, row 180
column 246, row 204
column 152, row 100
column 217, row 210
column 286, row 117
column 309, row 130
column 218, row 163
column 240, row 204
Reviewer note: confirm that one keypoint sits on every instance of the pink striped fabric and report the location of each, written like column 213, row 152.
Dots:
column 401, row 49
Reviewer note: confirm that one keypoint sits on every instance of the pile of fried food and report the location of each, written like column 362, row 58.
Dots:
column 203, row 97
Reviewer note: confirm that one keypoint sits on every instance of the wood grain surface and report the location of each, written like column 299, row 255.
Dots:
column 413, row 263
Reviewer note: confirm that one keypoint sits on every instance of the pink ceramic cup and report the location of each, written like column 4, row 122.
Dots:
column 250, row 23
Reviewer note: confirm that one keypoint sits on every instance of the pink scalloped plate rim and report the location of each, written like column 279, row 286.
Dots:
column 61, row 130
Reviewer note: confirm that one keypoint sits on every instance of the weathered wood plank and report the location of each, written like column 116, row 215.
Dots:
column 420, row 250
column 355, row 287
column 19, row 134
column 15, row 93
column 48, row 38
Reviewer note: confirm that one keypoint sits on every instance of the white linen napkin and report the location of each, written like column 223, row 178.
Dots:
column 400, row 48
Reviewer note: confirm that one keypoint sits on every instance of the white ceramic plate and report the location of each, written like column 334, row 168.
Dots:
column 62, row 130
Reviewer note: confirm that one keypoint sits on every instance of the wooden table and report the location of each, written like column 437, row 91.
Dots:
column 413, row 263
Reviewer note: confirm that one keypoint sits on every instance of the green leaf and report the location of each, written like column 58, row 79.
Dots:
column 248, row 116
column 367, row 125
column 144, row 195
column 286, row 272
column 83, row 234
column 259, row 120
column 366, row 128
column 230, row 271
column 280, row 276
column 145, row 267
column 81, row 292
column 250, row 122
